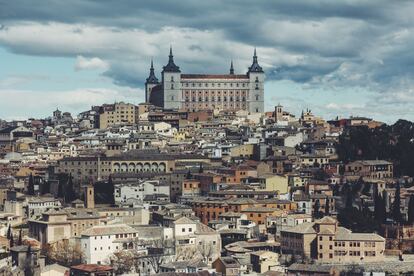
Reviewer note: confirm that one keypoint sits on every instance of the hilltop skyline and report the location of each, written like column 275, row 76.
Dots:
column 338, row 59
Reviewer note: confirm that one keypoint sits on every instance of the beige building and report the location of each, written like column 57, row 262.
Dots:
column 326, row 242
column 263, row 261
column 195, row 92
column 87, row 169
column 376, row 169
column 117, row 114
column 274, row 182
column 307, row 160
column 130, row 216
column 54, row 225
column 242, row 151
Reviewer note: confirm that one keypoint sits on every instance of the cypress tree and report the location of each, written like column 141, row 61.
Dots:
column 45, row 187
column 11, row 241
column 411, row 210
column 377, row 205
column 9, row 232
column 349, row 199
column 28, row 268
column 61, row 180
column 69, row 195
column 30, row 186
column 111, row 190
column 327, row 207
column 316, row 208
column 396, row 210
column 20, row 240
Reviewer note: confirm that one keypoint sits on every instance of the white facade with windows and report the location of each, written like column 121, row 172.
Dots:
column 193, row 92
column 138, row 191
column 99, row 242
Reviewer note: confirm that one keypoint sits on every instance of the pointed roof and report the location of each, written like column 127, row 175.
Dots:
column 255, row 67
column 327, row 220
column 184, row 220
column 171, row 67
column 231, row 68
column 152, row 78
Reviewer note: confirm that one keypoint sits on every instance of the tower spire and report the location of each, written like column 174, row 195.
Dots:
column 255, row 67
column 171, row 67
column 152, row 78
column 231, row 68
column 254, row 56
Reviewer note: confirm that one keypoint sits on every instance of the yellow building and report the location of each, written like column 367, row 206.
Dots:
column 242, row 151
column 180, row 135
column 326, row 242
column 313, row 160
column 274, row 182
column 263, row 261
column 117, row 114
column 297, row 180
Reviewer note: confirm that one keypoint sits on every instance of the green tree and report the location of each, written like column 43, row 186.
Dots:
column 396, row 207
column 411, row 210
column 379, row 208
column 327, row 207
column 349, row 198
column 69, row 194
column 9, row 232
column 20, row 240
column 30, row 186
column 111, row 190
column 393, row 143
column 316, row 209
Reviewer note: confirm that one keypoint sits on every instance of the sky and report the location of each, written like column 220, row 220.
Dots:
column 336, row 58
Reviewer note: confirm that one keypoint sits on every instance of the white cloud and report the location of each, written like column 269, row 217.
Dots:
column 130, row 50
column 83, row 63
column 42, row 103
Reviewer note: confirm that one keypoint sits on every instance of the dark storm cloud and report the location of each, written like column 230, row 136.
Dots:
column 340, row 43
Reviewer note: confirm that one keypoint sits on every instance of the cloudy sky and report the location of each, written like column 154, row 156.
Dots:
column 334, row 57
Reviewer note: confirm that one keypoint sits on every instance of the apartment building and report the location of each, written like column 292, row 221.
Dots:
column 326, row 242
column 375, row 169
column 138, row 191
column 117, row 114
column 55, row 225
column 208, row 208
column 99, row 242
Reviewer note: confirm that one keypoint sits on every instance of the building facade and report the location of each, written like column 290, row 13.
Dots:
column 117, row 114
column 327, row 242
column 194, row 92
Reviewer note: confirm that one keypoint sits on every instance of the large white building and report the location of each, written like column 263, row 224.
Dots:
column 99, row 242
column 138, row 191
column 193, row 92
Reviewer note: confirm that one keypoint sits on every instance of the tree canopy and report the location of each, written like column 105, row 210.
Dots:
column 389, row 142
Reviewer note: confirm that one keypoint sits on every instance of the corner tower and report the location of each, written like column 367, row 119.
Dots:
column 150, row 82
column 256, row 91
column 171, row 81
